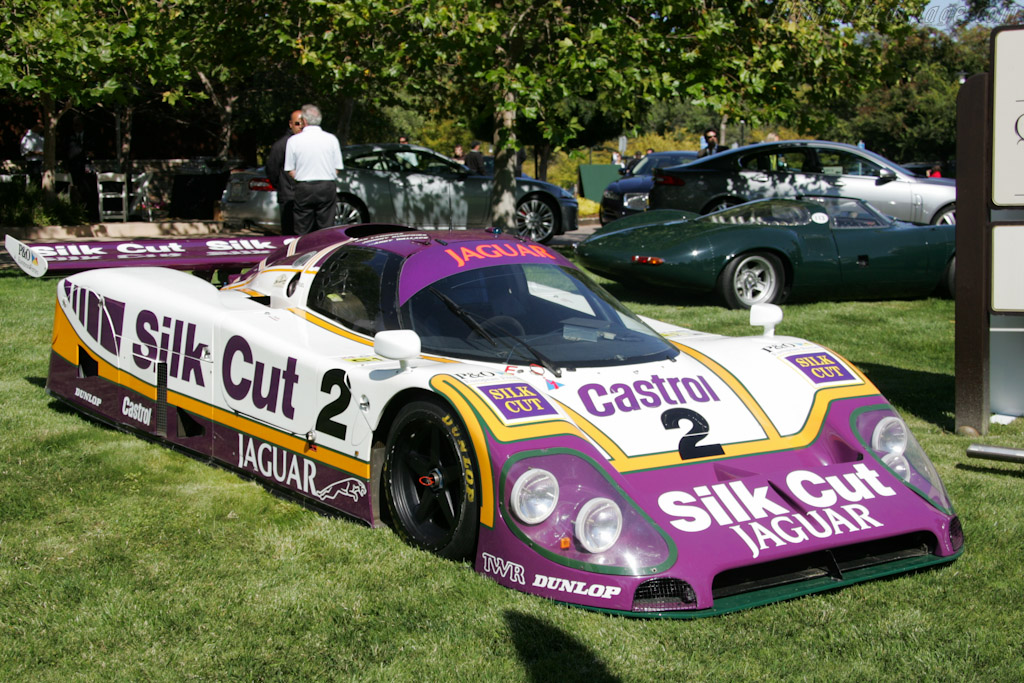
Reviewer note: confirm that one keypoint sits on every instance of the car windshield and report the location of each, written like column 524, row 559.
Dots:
column 769, row 212
column 530, row 314
column 852, row 213
column 650, row 162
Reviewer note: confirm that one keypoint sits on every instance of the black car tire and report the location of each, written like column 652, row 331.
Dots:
column 430, row 480
column 946, row 216
column 536, row 218
column 753, row 278
column 350, row 211
column 949, row 278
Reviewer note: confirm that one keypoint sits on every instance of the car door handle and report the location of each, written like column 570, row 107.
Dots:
column 839, row 183
column 762, row 178
column 862, row 261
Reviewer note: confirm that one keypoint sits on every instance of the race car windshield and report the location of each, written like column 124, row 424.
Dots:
column 530, row 314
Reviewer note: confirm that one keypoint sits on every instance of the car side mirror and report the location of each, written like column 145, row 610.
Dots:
column 400, row 345
column 767, row 316
column 886, row 175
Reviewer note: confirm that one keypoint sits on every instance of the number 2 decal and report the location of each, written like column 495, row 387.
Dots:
column 324, row 421
column 688, row 448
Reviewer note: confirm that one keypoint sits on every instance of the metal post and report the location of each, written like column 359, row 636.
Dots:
column 973, row 273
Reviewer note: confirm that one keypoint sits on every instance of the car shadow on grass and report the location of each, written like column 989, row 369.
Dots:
column 930, row 396
column 544, row 649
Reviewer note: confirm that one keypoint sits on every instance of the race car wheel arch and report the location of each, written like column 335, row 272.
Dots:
column 754, row 277
column 430, row 479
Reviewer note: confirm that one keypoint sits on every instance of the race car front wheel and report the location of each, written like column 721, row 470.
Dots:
column 430, row 480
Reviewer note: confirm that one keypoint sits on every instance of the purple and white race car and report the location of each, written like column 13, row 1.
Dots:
column 481, row 395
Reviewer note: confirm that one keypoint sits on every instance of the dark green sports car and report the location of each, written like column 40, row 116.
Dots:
column 769, row 250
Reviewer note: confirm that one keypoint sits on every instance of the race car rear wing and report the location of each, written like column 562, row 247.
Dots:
column 189, row 253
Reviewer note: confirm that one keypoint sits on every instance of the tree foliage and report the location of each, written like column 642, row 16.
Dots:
column 557, row 71
column 911, row 114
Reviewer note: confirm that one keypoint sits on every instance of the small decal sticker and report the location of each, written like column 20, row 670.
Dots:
column 517, row 400
column 821, row 368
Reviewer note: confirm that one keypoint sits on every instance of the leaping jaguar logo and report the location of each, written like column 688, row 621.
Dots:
column 350, row 488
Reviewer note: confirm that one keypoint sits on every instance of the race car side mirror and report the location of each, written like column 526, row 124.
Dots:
column 767, row 316
column 400, row 345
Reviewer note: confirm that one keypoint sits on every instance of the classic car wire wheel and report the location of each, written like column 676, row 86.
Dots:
column 429, row 480
column 752, row 279
column 535, row 219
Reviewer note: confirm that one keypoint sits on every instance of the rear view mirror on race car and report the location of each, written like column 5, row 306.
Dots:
column 767, row 316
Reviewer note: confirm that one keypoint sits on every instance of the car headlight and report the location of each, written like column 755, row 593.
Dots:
column 635, row 201
column 570, row 510
column 598, row 524
column 534, row 496
column 890, row 441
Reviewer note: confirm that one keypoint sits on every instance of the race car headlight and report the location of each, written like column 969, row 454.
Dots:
column 892, row 443
column 570, row 510
column 534, row 496
column 598, row 524
column 889, row 440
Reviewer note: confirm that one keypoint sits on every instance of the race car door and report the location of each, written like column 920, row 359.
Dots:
column 880, row 257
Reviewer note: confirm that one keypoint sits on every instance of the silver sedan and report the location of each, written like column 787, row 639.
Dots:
column 804, row 167
column 408, row 185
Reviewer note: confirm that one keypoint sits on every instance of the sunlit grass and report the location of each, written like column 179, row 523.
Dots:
column 123, row 560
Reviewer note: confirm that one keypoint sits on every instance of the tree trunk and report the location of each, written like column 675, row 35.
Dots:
column 503, row 191
column 125, row 115
column 224, row 103
column 50, row 118
column 346, row 106
column 542, row 156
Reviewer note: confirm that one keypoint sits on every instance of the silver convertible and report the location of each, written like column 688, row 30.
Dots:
column 410, row 185
column 804, row 167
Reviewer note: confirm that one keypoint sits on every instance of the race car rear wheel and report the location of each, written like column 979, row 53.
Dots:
column 430, row 480
column 754, row 278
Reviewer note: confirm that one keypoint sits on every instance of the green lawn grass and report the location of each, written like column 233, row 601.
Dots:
column 122, row 560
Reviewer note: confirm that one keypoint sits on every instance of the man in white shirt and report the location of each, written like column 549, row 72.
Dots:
column 313, row 159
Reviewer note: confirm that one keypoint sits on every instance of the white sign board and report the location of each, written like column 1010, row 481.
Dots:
column 1007, row 275
column 1008, row 118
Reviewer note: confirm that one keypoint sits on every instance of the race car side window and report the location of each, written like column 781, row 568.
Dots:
column 348, row 288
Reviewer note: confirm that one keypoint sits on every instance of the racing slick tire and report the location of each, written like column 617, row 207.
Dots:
column 430, row 481
column 753, row 278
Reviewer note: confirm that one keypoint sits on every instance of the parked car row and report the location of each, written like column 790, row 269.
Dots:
column 804, row 167
column 409, row 185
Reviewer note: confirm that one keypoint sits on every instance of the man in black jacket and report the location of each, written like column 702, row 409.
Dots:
column 475, row 160
column 283, row 182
